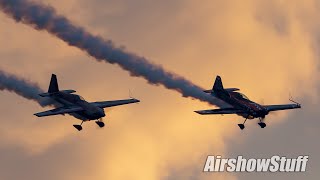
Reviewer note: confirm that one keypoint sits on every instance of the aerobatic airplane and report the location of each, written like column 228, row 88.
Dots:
column 241, row 105
column 76, row 106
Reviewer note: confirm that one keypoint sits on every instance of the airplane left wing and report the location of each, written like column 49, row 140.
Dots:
column 282, row 107
column 105, row 104
column 220, row 111
column 60, row 110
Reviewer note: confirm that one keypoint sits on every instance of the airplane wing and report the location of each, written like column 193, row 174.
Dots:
column 220, row 111
column 105, row 104
column 60, row 110
column 282, row 107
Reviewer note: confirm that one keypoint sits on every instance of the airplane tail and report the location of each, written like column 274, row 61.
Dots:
column 217, row 84
column 54, row 87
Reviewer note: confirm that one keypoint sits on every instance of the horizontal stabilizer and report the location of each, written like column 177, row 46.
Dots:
column 227, row 89
column 45, row 94
column 231, row 89
column 68, row 91
column 208, row 91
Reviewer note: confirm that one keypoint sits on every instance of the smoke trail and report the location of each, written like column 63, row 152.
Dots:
column 43, row 17
column 22, row 87
column 28, row 90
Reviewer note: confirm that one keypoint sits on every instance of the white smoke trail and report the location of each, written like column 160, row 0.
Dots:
column 22, row 87
column 43, row 17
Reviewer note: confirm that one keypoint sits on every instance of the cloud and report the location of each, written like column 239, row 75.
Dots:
column 43, row 17
column 160, row 138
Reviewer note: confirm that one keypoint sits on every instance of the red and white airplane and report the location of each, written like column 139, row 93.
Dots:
column 241, row 105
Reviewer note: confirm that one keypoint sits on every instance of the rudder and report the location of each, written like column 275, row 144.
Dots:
column 217, row 84
column 53, row 87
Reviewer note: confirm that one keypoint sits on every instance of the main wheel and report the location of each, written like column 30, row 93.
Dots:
column 262, row 125
column 100, row 123
column 78, row 127
column 241, row 126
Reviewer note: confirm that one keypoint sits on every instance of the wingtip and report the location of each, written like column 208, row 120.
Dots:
column 136, row 100
column 36, row 114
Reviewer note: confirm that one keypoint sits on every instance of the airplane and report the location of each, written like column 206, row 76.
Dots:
column 241, row 105
column 77, row 106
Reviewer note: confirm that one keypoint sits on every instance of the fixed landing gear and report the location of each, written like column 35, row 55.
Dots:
column 100, row 123
column 78, row 127
column 262, row 124
column 241, row 126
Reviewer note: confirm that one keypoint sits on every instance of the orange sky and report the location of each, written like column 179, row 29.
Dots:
column 265, row 48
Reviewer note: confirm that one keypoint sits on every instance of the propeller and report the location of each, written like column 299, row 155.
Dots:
column 130, row 95
column 291, row 99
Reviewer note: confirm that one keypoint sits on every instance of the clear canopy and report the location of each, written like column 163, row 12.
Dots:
column 243, row 96
column 81, row 98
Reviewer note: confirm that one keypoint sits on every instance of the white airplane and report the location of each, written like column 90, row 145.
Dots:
column 76, row 106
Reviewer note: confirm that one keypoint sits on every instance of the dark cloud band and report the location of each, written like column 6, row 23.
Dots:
column 43, row 17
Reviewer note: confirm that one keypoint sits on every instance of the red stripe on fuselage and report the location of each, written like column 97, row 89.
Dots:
column 252, row 105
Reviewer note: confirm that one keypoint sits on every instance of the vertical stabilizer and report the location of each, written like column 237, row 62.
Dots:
column 217, row 84
column 53, row 87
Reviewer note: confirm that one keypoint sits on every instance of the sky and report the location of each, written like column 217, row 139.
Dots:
column 267, row 48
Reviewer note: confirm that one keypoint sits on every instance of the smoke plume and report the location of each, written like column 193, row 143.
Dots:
column 43, row 17
column 22, row 87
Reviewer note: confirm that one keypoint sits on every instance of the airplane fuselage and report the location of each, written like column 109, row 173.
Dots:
column 91, row 112
column 239, row 101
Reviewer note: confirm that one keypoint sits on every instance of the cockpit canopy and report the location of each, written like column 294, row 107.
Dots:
column 242, row 96
column 76, row 97
column 81, row 98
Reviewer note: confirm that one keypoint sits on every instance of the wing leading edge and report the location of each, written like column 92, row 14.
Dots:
column 60, row 110
column 75, row 109
column 282, row 107
column 105, row 104
column 220, row 111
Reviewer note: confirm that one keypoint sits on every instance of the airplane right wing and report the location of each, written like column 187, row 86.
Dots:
column 220, row 111
column 60, row 110
column 105, row 104
column 282, row 107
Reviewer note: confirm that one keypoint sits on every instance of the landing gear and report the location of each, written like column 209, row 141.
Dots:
column 241, row 126
column 100, row 123
column 78, row 127
column 262, row 124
